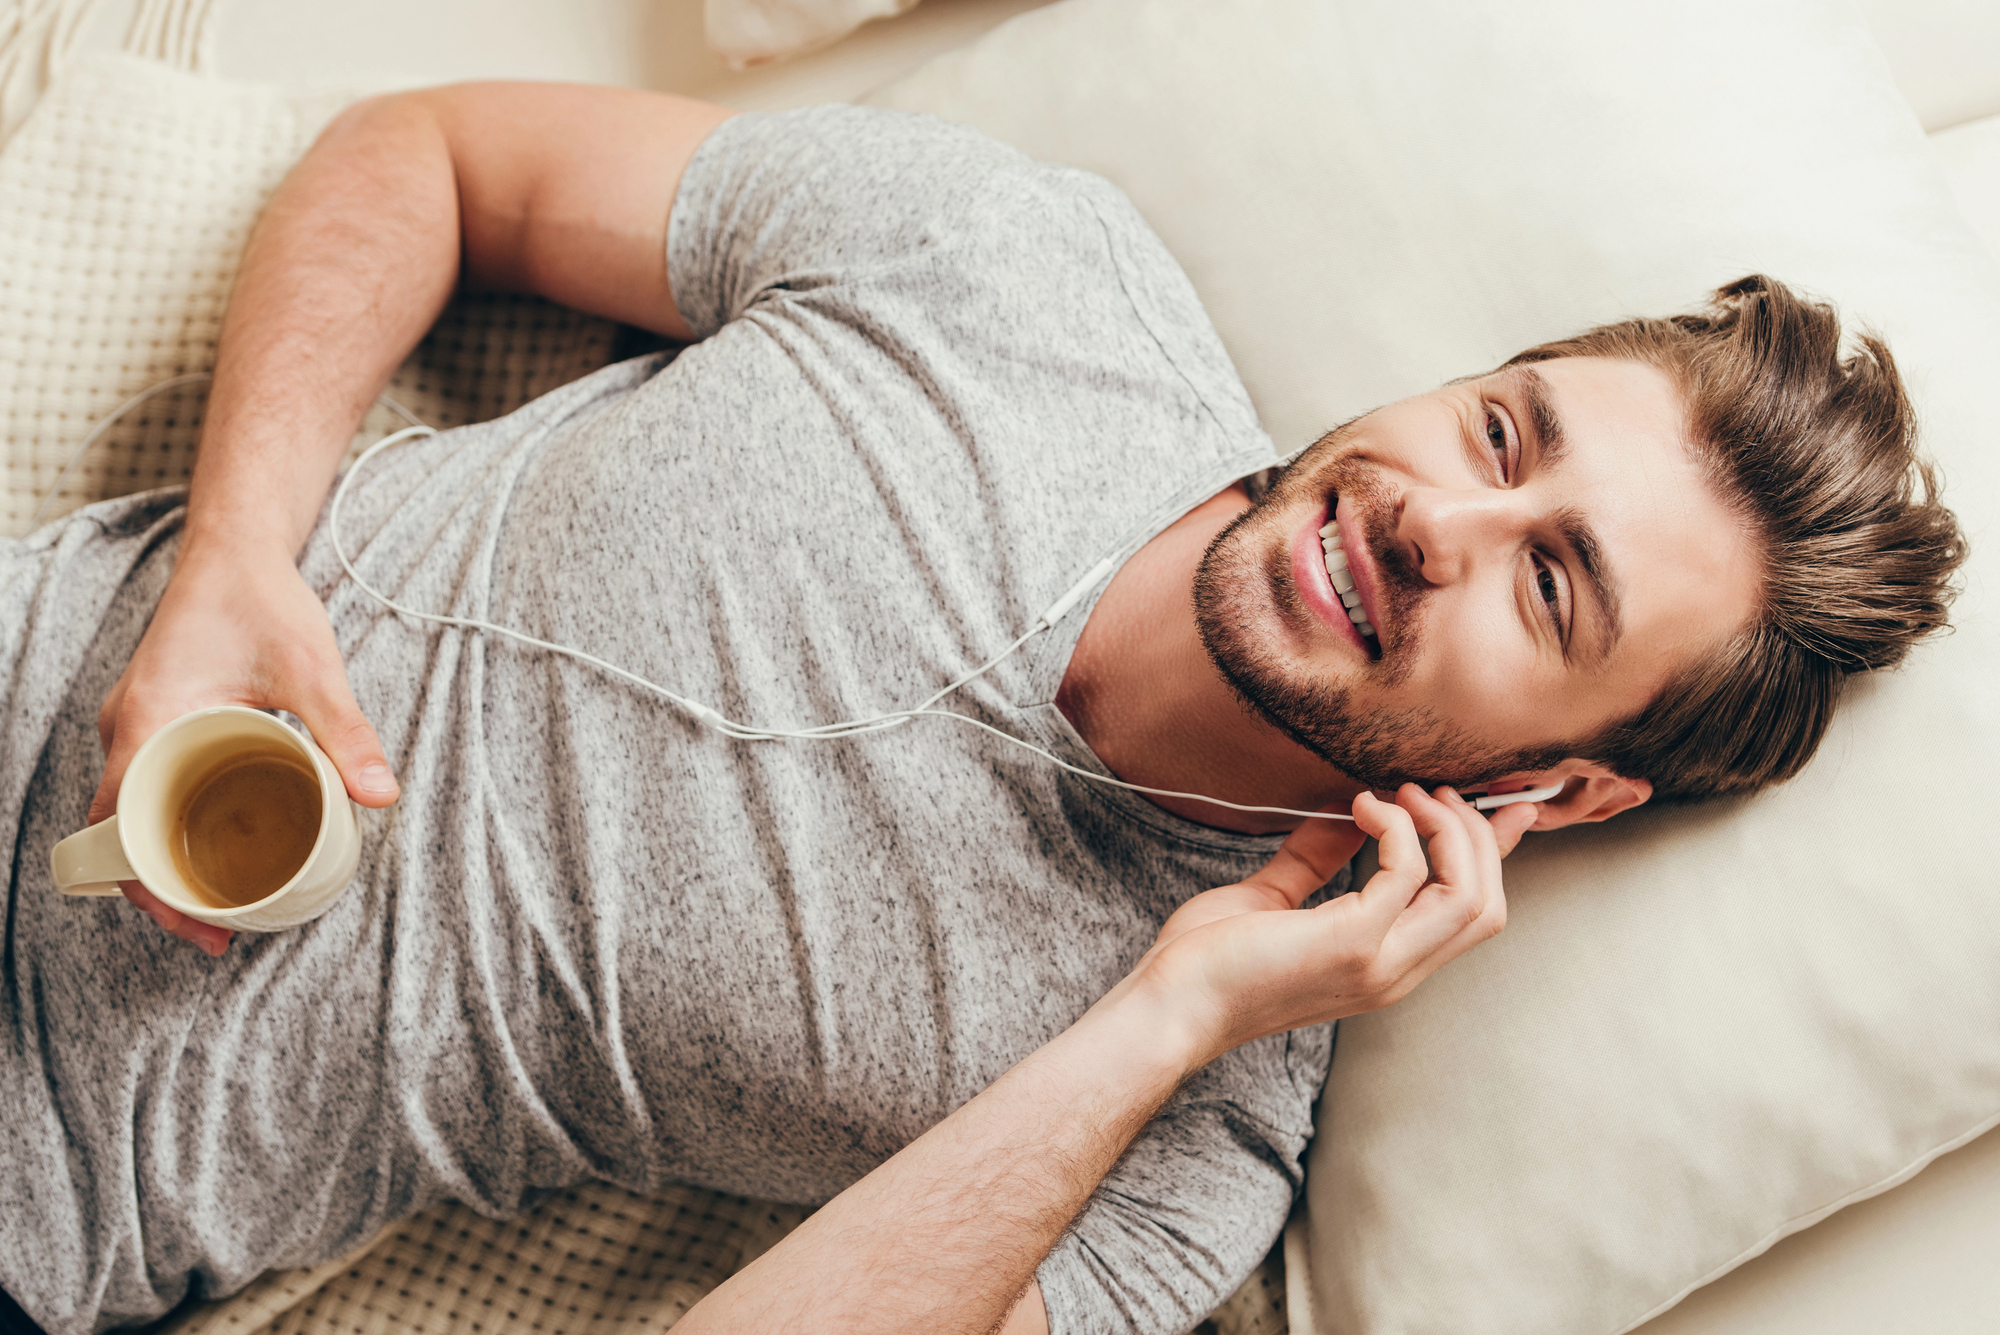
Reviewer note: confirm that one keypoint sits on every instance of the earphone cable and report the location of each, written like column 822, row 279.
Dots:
column 113, row 417
column 749, row 732
column 700, row 712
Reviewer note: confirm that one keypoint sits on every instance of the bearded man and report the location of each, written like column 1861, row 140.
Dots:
column 991, row 1014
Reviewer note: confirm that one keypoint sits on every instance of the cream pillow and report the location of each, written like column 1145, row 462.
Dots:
column 1706, row 1027
column 751, row 32
column 1945, row 55
column 1970, row 156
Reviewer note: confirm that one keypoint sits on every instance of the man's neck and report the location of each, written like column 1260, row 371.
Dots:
column 1141, row 691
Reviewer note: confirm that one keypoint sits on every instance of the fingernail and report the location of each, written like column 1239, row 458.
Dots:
column 375, row 777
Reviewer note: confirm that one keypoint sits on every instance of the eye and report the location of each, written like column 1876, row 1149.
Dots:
column 1550, row 591
column 1502, row 444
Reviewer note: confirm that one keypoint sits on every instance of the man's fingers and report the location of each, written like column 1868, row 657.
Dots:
column 107, row 716
column 1463, row 904
column 1447, row 898
column 1512, row 822
column 1308, row 859
column 1402, row 868
column 1440, row 819
column 127, row 732
column 207, row 935
column 337, row 724
column 105, row 800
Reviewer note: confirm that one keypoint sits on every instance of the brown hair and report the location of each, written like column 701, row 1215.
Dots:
column 1816, row 451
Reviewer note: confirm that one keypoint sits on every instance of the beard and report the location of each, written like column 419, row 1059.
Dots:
column 1248, row 610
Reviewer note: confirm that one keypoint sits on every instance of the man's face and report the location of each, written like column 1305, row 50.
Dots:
column 1536, row 550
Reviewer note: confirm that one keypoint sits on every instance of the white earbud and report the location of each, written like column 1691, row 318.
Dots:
column 1492, row 801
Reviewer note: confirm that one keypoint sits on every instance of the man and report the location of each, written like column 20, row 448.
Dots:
column 929, row 385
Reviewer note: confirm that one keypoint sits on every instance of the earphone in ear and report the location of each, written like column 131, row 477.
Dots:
column 1494, row 801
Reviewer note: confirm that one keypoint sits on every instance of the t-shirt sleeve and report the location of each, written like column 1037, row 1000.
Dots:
column 798, row 201
column 965, row 265
column 1197, row 1201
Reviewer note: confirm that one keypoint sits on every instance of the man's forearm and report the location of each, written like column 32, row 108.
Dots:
column 354, row 258
column 946, row 1235
column 559, row 190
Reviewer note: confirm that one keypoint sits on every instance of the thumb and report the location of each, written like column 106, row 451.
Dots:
column 338, row 726
column 1511, row 822
column 1308, row 858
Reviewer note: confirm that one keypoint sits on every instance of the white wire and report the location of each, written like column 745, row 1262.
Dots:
column 400, row 410
column 701, row 712
column 1120, row 783
column 111, row 419
column 97, row 433
column 747, row 732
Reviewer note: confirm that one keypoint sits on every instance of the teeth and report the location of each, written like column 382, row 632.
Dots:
column 1343, row 581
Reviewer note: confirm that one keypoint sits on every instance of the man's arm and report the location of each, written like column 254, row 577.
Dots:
column 945, row 1236
column 558, row 190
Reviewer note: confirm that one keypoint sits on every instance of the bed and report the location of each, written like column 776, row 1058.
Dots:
column 1915, row 1257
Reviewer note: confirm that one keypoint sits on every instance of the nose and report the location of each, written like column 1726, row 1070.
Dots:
column 1448, row 534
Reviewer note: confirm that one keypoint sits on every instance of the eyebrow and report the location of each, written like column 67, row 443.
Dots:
column 1542, row 414
column 1582, row 539
column 1551, row 445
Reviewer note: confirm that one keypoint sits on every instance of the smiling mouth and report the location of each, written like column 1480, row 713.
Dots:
column 1337, row 570
column 1325, row 586
column 1343, row 580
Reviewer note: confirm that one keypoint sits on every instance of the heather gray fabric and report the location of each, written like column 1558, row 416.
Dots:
column 938, row 383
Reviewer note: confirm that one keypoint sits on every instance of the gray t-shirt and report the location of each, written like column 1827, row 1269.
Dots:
column 937, row 383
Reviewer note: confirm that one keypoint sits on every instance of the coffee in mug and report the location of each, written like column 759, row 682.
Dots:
column 230, row 817
column 246, row 826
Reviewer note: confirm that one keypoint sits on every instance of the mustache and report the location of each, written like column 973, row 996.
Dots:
column 1400, row 588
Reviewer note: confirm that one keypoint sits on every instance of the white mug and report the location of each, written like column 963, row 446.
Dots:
column 133, row 845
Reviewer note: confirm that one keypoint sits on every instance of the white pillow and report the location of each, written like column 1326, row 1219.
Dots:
column 1705, row 1027
column 1945, row 55
column 751, row 32
column 1970, row 156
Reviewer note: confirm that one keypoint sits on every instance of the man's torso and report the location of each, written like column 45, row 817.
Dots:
column 596, row 938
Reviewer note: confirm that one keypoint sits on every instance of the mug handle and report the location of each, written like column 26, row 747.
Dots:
column 91, row 861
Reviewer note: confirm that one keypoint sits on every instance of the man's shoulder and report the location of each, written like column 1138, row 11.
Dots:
column 946, row 248
column 1029, row 229
column 918, row 167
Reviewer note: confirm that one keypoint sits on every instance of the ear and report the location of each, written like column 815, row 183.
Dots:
column 1590, row 793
